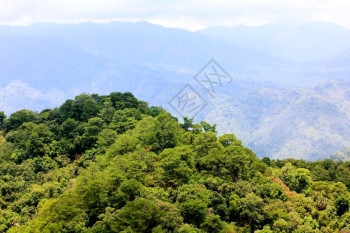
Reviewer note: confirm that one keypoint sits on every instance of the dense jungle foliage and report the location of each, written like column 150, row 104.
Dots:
column 114, row 164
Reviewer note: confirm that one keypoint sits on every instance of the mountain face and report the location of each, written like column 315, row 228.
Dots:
column 311, row 42
column 309, row 123
column 276, row 105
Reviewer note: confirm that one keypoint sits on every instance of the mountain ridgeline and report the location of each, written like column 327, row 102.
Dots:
column 111, row 163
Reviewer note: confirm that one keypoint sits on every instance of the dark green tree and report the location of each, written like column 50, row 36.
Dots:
column 188, row 123
column 2, row 120
column 18, row 118
column 342, row 204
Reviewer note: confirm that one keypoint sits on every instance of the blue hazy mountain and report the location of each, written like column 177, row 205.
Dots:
column 148, row 44
column 310, row 42
column 309, row 123
column 120, row 56
column 272, row 104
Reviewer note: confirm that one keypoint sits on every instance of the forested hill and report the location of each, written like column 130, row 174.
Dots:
column 114, row 164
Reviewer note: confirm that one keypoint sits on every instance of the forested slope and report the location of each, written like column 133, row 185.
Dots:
column 113, row 164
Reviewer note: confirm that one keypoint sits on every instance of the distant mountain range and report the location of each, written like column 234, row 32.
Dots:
column 276, row 103
column 301, row 43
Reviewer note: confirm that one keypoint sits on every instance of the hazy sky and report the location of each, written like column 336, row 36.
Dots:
column 187, row 14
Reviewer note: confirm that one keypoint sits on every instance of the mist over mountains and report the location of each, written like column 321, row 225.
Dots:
column 290, row 97
column 301, row 43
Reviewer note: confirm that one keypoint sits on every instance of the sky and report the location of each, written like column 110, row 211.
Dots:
column 185, row 14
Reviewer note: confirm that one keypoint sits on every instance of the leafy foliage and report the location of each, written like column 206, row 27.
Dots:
column 113, row 164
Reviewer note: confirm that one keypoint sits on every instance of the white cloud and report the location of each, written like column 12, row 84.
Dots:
column 190, row 14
